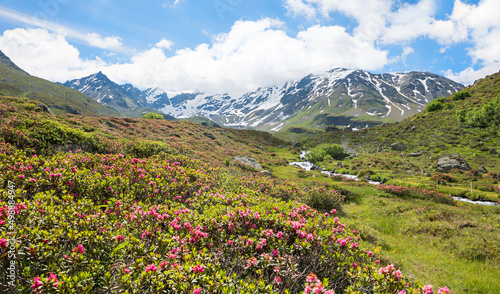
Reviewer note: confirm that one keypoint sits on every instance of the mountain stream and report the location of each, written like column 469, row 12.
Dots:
column 306, row 165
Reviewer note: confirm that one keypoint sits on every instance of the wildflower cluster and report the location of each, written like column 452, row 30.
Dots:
column 168, row 223
column 443, row 178
column 419, row 193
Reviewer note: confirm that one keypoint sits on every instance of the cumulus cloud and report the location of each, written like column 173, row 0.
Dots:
column 165, row 44
column 46, row 54
column 96, row 40
column 250, row 55
column 371, row 15
column 298, row 7
column 259, row 53
column 91, row 39
column 409, row 22
column 479, row 25
column 390, row 22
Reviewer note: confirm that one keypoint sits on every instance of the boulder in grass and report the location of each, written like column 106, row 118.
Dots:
column 250, row 161
column 398, row 146
column 452, row 161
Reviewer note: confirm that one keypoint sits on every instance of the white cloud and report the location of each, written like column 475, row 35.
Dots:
column 371, row 15
column 409, row 22
column 165, row 44
column 469, row 75
column 95, row 40
column 406, row 51
column 479, row 25
column 46, row 54
column 251, row 55
column 259, row 53
column 92, row 39
column 389, row 22
column 297, row 7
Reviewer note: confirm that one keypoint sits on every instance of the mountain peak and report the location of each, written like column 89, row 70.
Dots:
column 99, row 76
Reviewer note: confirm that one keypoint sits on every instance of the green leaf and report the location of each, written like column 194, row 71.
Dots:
column 119, row 247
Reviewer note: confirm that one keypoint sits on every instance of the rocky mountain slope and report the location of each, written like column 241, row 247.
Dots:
column 16, row 82
column 432, row 134
column 340, row 97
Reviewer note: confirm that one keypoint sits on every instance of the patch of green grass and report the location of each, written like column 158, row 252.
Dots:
column 425, row 238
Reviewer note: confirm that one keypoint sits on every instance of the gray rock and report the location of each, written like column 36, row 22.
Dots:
column 209, row 135
column 295, row 144
column 498, row 154
column 249, row 160
column 380, row 148
column 475, row 145
column 315, row 167
column 45, row 108
column 398, row 146
column 330, row 129
column 339, row 164
column 427, row 174
column 266, row 172
column 110, row 124
column 414, row 128
column 415, row 154
column 483, row 170
column 493, row 151
column 452, row 161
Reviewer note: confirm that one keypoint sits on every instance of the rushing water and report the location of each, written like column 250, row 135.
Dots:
column 311, row 166
column 488, row 203
column 306, row 165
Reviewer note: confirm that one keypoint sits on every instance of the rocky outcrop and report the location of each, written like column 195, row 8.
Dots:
column 110, row 124
column 44, row 108
column 398, row 146
column 249, row 160
column 452, row 161
column 330, row 129
column 209, row 135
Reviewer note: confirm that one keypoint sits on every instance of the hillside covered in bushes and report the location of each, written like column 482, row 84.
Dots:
column 93, row 205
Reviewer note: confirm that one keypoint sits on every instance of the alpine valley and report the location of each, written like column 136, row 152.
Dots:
column 339, row 97
column 96, row 200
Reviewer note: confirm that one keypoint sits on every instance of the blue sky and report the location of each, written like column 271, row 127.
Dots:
column 236, row 46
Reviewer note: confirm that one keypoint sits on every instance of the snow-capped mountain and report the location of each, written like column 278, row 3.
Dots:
column 106, row 92
column 354, row 98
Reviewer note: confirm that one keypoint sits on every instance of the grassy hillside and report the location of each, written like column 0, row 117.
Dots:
column 402, row 218
column 120, row 205
column 16, row 82
column 431, row 134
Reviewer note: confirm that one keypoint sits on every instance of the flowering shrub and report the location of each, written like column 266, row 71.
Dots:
column 419, row 193
column 168, row 223
column 443, row 178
